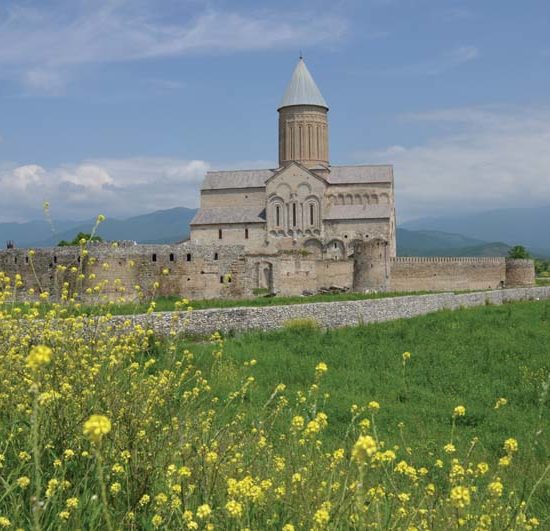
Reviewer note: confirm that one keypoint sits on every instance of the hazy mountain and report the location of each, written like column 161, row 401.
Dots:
column 515, row 226
column 437, row 243
column 162, row 226
column 167, row 226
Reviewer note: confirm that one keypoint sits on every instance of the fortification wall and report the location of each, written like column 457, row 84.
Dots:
column 520, row 273
column 186, row 270
column 445, row 273
column 292, row 274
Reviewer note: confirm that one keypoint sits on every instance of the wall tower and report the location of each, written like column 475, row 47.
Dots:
column 303, row 124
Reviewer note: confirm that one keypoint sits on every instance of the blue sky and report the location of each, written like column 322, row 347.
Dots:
column 120, row 106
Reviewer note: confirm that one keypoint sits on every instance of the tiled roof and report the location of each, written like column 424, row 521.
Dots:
column 218, row 180
column 302, row 89
column 358, row 212
column 360, row 174
column 217, row 216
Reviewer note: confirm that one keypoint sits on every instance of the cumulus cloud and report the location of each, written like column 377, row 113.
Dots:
column 42, row 45
column 118, row 188
column 477, row 159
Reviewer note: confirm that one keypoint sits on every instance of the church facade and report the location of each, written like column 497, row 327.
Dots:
column 306, row 203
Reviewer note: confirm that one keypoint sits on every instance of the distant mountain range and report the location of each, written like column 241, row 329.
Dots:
column 513, row 226
column 485, row 234
column 162, row 226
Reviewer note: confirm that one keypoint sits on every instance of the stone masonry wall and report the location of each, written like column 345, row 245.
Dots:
column 441, row 274
column 329, row 314
column 192, row 271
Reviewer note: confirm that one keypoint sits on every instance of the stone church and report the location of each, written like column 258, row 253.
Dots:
column 306, row 203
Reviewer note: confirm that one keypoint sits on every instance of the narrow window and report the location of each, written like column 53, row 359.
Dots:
column 221, row 279
column 293, row 214
column 335, row 245
column 311, row 214
column 216, row 256
column 246, row 234
column 278, row 215
column 26, row 259
column 189, row 257
column 55, row 259
column 219, row 234
column 154, row 257
column 15, row 260
column 171, row 257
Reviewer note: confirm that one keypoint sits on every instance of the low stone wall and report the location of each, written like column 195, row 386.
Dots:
column 329, row 314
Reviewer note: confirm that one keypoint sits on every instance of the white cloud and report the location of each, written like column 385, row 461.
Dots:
column 477, row 159
column 115, row 187
column 118, row 188
column 41, row 45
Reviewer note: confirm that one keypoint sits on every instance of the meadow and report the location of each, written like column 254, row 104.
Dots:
column 436, row 422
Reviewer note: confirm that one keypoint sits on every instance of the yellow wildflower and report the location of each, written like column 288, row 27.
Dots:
column 96, row 427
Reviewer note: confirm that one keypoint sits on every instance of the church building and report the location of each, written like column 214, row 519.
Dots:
column 306, row 203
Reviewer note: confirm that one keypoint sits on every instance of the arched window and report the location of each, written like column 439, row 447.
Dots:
column 188, row 257
column 278, row 215
column 171, row 257
column 220, row 234
column 311, row 214
column 246, row 234
column 154, row 257
column 293, row 214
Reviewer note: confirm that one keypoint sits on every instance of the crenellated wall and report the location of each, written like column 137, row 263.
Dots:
column 226, row 271
column 446, row 273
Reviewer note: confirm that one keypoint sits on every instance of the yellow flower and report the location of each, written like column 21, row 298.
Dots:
column 64, row 515
column 157, row 520
column 459, row 411
column 234, row 509
column 449, row 448
column 511, row 446
column 204, row 511
column 495, row 488
column 71, row 503
column 321, row 368
column 145, row 499
column 505, row 461
column 96, row 427
column 4, row 522
column 460, row 497
column 100, row 218
column 406, row 356
column 373, row 406
column 482, row 468
column 115, row 488
column 288, row 527
column 298, row 422
column 23, row 482
column 364, row 447
column 38, row 356
column 501, row 402
column 322, row 515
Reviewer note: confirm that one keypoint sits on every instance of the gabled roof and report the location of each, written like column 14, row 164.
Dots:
column 302, row 90
column 360, row 174
column 218, row 180
column 300, row 166
column 235, row 179
column 218, row 216
column 342, row 212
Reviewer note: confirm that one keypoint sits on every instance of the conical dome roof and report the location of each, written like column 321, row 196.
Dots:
column 302, row 90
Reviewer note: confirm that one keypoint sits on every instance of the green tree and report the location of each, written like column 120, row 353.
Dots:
column 518, row 251
column 78, row 237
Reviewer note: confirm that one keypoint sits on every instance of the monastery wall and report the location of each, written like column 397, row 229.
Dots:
column 440, row 274
column 185, row 270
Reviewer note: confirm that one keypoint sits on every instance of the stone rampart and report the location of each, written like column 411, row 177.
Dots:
column 447, row 273
column 328, row 314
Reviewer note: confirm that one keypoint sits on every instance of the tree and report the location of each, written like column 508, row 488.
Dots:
column 78, row 237
column 518, row 251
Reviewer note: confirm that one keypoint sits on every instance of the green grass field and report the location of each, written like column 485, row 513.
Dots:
column 467, row 357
